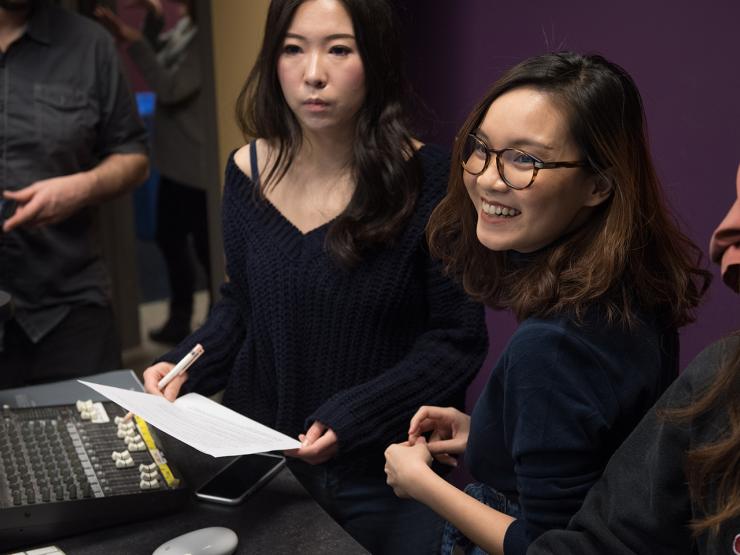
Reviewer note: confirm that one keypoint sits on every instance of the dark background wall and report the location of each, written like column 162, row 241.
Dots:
column 684, row 57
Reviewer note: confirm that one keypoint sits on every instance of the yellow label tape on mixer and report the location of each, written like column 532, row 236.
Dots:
column 156, row 453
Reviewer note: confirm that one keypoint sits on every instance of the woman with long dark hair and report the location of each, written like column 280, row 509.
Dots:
column 335, row 323
column 553, row 211
column 673, row 487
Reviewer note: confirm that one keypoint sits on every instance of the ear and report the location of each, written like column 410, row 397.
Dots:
column 601, row 187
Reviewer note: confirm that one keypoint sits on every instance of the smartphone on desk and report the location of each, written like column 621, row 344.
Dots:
column 240, row 477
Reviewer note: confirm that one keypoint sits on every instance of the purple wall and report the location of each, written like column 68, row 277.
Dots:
column 685, row 58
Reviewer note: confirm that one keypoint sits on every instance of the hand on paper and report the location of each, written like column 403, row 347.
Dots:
column 154, row 373
column 319, row 445
column 449, row 431
column 405, row 464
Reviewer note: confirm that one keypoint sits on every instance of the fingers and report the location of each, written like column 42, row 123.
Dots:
column 154, row 373
column 316, row 430
column 452, row 446
column 22, row 195
column 425, row 418
column 172, row 389
column 24, row 214
column 25, row 211
column 316, row 450
column 444, row 458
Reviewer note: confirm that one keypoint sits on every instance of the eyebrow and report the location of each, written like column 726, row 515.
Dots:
column 517, row 143
column 326, row 38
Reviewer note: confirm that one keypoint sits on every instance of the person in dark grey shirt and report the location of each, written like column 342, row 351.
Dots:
column 69, row 139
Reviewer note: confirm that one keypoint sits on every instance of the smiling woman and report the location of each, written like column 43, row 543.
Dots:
column 569, row 230
column 514, row 213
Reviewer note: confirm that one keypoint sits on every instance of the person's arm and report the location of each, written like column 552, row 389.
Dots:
column 439, row 365
column 559, row 410
column 52, row 200
column 555, row 428
column 221, row 336
column 120, row 146
column 410, row 475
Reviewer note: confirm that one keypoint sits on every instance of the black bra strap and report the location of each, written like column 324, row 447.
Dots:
column 253, row 161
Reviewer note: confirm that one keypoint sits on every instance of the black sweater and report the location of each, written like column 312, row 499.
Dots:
column 297, row 339
column 641, row 505
column 559, row 402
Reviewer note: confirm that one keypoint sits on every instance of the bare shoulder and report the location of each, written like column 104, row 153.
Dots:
column 416, row 145
column 243, row 160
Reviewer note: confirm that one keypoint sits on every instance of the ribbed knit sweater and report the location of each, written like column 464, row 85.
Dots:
column 296, row 338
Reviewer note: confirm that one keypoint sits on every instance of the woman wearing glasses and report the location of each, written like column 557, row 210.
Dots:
column 335, row 323
column 553, row 211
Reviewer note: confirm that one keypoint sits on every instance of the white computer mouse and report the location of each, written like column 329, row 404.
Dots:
column 215, row 540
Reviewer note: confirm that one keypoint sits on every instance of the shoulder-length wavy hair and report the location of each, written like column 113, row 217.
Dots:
column 386, row 174
column 713, row 469
column 630, row 254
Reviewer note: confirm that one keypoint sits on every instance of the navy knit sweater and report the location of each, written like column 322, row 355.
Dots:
column 559, row 402
column 297, row 339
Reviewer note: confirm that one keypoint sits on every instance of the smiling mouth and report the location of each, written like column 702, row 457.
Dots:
column 495, row 209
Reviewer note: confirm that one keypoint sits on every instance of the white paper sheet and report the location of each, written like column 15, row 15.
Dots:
column 201, row 423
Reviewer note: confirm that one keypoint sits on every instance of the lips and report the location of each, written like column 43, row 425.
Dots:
column 315, row 102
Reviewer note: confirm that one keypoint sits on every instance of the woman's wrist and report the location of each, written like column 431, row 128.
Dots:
column 420, row 482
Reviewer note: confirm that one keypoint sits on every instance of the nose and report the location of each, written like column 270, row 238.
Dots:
column 491, row 178
column 315, row 75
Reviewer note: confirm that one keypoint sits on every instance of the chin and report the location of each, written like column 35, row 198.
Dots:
column 492, row 242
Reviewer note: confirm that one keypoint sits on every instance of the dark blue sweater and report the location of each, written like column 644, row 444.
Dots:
column 297, row 339
column 560, row 400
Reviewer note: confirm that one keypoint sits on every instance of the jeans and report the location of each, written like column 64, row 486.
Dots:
column 453, row 541
column 366, row 507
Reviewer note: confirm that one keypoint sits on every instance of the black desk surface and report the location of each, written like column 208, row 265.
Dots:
column 279, row 518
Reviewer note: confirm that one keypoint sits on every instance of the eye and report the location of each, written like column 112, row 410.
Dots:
column 480, row 150
column 521, row 158
column 291, row 49
column 340, row 50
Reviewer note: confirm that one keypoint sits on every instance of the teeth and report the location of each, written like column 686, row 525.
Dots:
column 497, row 210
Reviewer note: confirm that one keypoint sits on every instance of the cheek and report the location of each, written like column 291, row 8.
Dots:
column 285, row 76
column 354, row 80
column 469, row 183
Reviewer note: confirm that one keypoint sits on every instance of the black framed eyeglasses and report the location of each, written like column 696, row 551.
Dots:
column 517, row 168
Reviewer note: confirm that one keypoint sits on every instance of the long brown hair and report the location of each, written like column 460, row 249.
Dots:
column 387, row 177
column 715, row 466
column 630, row 253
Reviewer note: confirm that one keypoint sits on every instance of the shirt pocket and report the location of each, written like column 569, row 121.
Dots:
column 65, row 119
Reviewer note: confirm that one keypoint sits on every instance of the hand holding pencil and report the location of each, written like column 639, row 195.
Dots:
column 166, row 379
